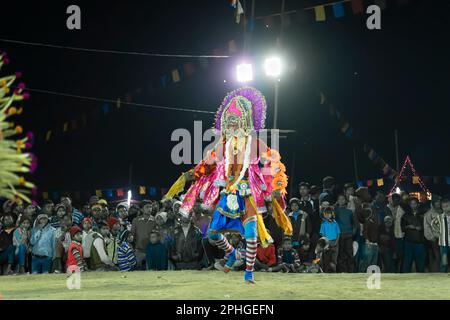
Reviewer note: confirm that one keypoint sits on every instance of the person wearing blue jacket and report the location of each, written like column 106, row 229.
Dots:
column 43, row 242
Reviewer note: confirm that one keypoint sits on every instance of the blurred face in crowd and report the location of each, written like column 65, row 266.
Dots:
column 304, row 191
column 30, row 211
column 349, row 191
column 115, row 228
column 87, row 225
column 342, row 201
column 287, row 245
column 159, row 221
column 104, row 231
column 25, row 225
column 42, row 222
column 60, row 212
column 154, row 238
column 147, row 209
column 395, row 201
column 18, row 210
column 167, row 205
column 123, row 213
column 414, row 204
column 380, row 197
column 48, row 208
column 197, row 209
column 185, row 221
column 437, row 205
column 86, row 210
column 96, row 212
column 130, row 238
column 327, row 215
column 66, row 221
column 176, row 208
column 66, row 202
column 388, row 223
column 446, row 207
column 155, row 207
column 104, row 212
column 8, row 221
column 295, row 207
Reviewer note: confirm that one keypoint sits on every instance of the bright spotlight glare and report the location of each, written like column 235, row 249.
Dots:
column 129, row 198
column 272, row 66
column 244, row 72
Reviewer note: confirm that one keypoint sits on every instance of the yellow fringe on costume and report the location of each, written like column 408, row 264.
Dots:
column 280, row 218
column 263, row 234
column 176, row 188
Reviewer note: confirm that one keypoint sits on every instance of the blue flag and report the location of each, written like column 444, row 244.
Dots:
column 338, row 10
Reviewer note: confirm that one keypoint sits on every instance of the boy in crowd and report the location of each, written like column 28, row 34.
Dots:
column 60, row 211
column 301, row 225
column 386, row 245
column 75, row 258
column 122, row 215
column 313, row 211
column 43, row 241
column 21, row 241
column 369, row 249
column 141, row 228
column 165, row 233
column 87, row 238
column 113, row 242
column 126, row 259
column 62, row 244
column 344, row 218
column 330, row 230
column 288, row 259
column 75, row 215
column 186, row 252
column 156, row 253
column 48, row 207
column 412, row 226
column 265, row 257
column 6, row 244
column 444, row 234
column 99, row 258
column 431, row 233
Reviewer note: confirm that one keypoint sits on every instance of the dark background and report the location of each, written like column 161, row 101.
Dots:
column 382, row 80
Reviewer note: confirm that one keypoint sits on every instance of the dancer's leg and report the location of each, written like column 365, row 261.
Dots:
column 251, row 242
column 222, row 243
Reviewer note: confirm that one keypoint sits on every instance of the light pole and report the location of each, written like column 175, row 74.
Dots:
column 272, row 67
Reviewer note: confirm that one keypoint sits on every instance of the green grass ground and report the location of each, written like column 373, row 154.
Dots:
column 217, row 285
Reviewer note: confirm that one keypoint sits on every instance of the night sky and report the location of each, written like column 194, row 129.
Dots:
column 393, row 78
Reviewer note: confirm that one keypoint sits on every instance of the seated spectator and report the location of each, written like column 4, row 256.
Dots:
column 6, row 244
column 323, row 255
column 87, row 239
column 156, row 253
column 75, row 259
column 186, row 249
column 99, row 258
column 62, row 235
column 344, row 218
column 126, row 259
column 330, row 230
column 43, row 239
column 265, row 257
column 21, row 241
column 288, row 258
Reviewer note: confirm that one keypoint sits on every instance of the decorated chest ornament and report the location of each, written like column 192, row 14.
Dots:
column 246, row 106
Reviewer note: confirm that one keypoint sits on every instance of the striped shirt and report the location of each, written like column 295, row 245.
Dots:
column 125, row 257
column 77, row 217
column 444, row 225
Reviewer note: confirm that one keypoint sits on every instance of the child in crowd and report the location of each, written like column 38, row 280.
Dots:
column 21, row 242
column 265, row 257
column 156, row 253
column 99, row 259
column 87, row 238
column 75, row 259
column 288, row 258
column 6, row 244
column 330, row 230
column 126, row 259
column 62, row 244
column 60, row 211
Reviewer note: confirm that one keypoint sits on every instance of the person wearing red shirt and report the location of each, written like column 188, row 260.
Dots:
column 265, row 257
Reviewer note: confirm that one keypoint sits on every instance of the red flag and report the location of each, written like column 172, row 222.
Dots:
column 188, row 68
column 357, row 6
column 120, row 192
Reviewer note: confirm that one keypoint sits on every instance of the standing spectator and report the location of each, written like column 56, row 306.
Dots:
column 349, row 192
column 265, row 257
column 330, row 230
column 301, row 225
column 313, row 214
column 397, row 213
column 133, row 212
column 43, row 241
column 112, row 241
column 97, row 216
column 75, row 257
column 432, row 232
column 21, row 241
column 344, row 218
column 444, row 236
column 186, row 248
column 75, row 215
column 6, row 244
column 99, row 258
column 141, row 228
column 156, row 253
column 380, row 208
column 60, row 211
column 126, row 258
column 30, row 212
column 105, row 210
column 369, row 250
column 386, row 245
column 412, row 226
column 86, row 210
column 63, row 240
column 122, row 215
column 48, row 207
column 315, row 193
column 328, row 191
column 201, row 220
column 165, row 232
column 87, row 239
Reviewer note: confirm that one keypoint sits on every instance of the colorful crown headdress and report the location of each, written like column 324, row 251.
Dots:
column 246, row 102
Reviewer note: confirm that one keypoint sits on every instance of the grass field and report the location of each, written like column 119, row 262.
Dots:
column 217, row 285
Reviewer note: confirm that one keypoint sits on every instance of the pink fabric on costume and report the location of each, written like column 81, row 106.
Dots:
column 233, row 109
column 211, row 194
column 192, row 195
column 256, row 185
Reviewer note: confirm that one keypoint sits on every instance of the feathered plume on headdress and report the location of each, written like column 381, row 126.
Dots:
column 258, row 106
column 13, row 161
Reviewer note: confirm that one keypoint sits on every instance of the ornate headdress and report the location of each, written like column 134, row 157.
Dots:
column 247, row 103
